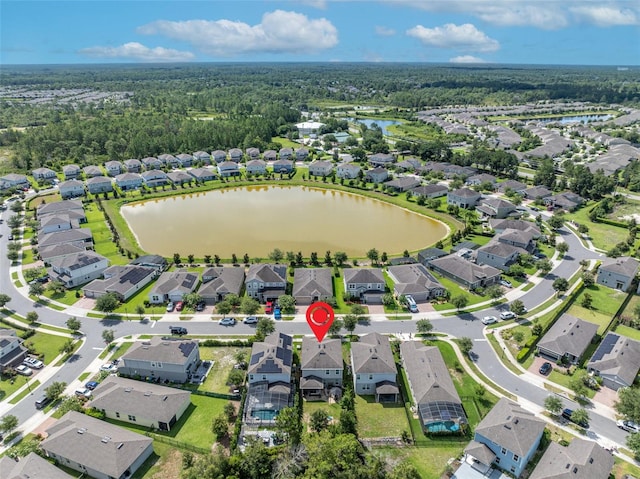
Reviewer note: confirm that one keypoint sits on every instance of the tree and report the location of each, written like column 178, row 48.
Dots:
column 350, row 322
column 340, row 258
column 348, row 422
column 372, row 254
column 577, row 383
column 107, row 336
column 562, row 247
column 4, row 299
column 588, row 279
column 140, row 310
column 190, row 258
column 74, row 324
column 234, row 258
column 424, row 326
column 56, row 389
column 207, row 259
column 36, row 289
column 553, row 404
column 8, row 423
column 359, row 312
column 287, row 303
column 460, row 301
column 107, row 303
column 265, row 327
column 336, row 326
column 466, row 345
column 580, row 416
column 67, row 347
column 545, row 174
column 327, row 258
column 229, row 411
column 555, row 222
column 517, row 307
column 319, row 420
column 176, row 258
column 560, row 285
column 633, row 443
column 219, row 426
column 288, row 422
column 69, row 403
column 495, row 292
column 384, row 257
column 544, row 265
column 223, row 307
column 249, row 306
column 56, row 287
column 190, row 300
column 628, row 404
column 31, row 317
column 404, row 470
column 586, row 301
column 276, row 255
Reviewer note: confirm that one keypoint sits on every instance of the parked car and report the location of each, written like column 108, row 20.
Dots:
column 505, row 283
column 200, row 306
column 179, row 330
column 179, row 306
column 91, row 385
column 33, row 363
column 109, row 367
column 170, row 307
column 507, row 315
column 24, row 370
column 489, row 320
column 228, row 321
column 268, row 308
column 277, row 314
column 42, row 402
column 83, row 392
column 568, row 413
column 250, row 320
column 628, row 426
column 545, row 368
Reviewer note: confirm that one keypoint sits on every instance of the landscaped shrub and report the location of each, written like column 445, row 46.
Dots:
column 522, row 354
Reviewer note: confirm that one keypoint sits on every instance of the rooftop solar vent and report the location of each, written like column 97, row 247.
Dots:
column 105, row 439
column 82, row 430
column 147, row 393
column 120, row 445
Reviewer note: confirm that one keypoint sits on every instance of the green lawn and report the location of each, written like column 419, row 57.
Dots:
column 68, row 297
column 46, row 344
column 602, row 235
column 309, row 407
column 455, row 289
column 605, row 304
column 124, row 347
column 628, row 332
column 631, row 305
column 380, row 419
column 102, row 239
column 429, row 461
column 563, row 380
column 32, row 385
column 8, row 387
column 223, row 361
column 27, row 256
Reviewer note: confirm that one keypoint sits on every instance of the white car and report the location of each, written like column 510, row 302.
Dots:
column 489, row 320
column 228, row 321
column 109, row 367
column 250, row 320
column 33, row 363
column 507, row 315
column 629, row 426
column 83, row 392
column 505, row 283
column 24, row 370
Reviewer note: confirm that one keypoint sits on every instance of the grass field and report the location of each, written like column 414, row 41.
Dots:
column 380, row 419
column 223, row 361
column 68, row 297
column 455, row 289
column 628, row 332
column 602, row 235
column 429, row 461
column 102, row 238
column 605, row 304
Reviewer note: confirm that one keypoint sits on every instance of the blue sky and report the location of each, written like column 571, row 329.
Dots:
column 563, row 32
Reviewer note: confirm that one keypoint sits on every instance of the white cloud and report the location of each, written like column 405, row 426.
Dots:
column 466, row 59
column 606, row 16
column 384, row 31
column 462, row 37
column 320, row 4
column 278, row 32
column 137, row 51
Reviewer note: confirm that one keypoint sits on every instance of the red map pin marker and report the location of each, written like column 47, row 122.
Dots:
column 320, row 316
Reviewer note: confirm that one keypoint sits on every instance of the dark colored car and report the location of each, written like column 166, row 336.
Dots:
column 91, row 385
column 178, row 330
column 567, row 413
column 545, row 368
column 200, row 307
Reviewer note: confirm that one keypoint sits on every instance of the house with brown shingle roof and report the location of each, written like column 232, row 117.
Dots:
column 568, row 339
column 582, row 459
column 321, row 365
column 312, row 284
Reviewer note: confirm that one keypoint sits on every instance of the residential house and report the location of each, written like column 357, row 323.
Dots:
column 154, row 261
column 270, row 155
column 366, row 284
column 618, row 273
column 161, row 359
column 185, row 160
column 499, row 255
column 537, row 192
column 151, row 163
column 30, row 466
column 377, row 175
column 129, row 181
column 282, row 166
column 202, row 158
column 154, row 178
column 266, row 282
column 141, row 403
column 49, row 253
column 416, row 281
column 476, row 180
column 348, row 171
column 228, row 168
column 500, row 226
column 219, row 156
column 269, row 378
column 312, row 284
column 202, row 175
column 381, row 159
column 59, row 222
column 253, row 153
column 172, row 286
column 77, row 269
column 235, row 154
column 410, row 164
column 44, row 175
column 463, row 198
column 426, row 255
column 403, row 183
column 518, row 238
column 15, row 180
column 77, row 236
column 567, row 339
column 301, row 154
column 96, row 448
column 256, row 167
column 465, row 272
column 582, row 459
column 218, row 282
column 73, row 208
column 322, row 367
column 133, row 165
column 320, row 168
column 616, row 361
column 309, row 128
column 285, row 153
column 99, row 184
column 71, row 189
column 169, row 160
column 567, row 201
column 496, row 208
column 435, row 397
column 123, row 281
column 179, row 177
column 513, row 185
column 12, row 352
column 430, row 191
column 507, row 437
column 374, row 369
column 71, row 172
column 114, row 168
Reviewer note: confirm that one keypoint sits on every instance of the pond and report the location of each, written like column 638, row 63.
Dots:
column 257, row 219
column 383, row 124
column 573, row 119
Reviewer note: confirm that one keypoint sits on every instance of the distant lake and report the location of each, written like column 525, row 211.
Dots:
column 383, row 124
column 572, row 119
column 257, row 219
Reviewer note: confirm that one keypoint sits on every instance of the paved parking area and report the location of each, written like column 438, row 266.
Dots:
column 606, row 396
column 535, row 367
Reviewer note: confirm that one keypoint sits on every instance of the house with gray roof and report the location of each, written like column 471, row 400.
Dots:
column 129, row 181
column 320, row 168
column 301, row 154
column 179, row 177
column 217, row 282
column 71, row 189
column 140, row 403
column 184, row 159
column 518, row 238
column 410, row 164
column 253, row 152
column 203, row 175
column 430, row 191
column 14, row 180
column 618, row 273
column 92, row 170
column 435, row 397
column 153, row 178
column 537, row 192
column 496, row 208
column 465, row 272
column 321, row 365
column 169, row 160
column 463, row 198
column 415, row 280
column 282, row 166
column 499, row 255
column 235, row 154
column 66, row 206
column 348, row 171
column 162, row 359
column 376, row 175
column 228, row 168
column 71, row 172
column 49, row 253
column 567, row 339
column 122, row 280
column 481, row 178
column 366, row 284
column 133, row 165
column 285, row 153
column 154, row 261
column 266, row 282
column 173, row 286
column 566, row 200
column 270, row 155
column 57, row 222
column 582, row 459
column 616, row 361
column 78, row 268
column 403, row 183
column 96, row 448
column 513, row 185
column 12, row 352
column 99, row 184
column 30, row 466
column 44, row 174
column 374, row 369
column 151, row 163
column 75, row 236
column 507, row 437
column 426, row 255
column 219, row 156
column 501, row 225
column 256, row 167
column 114, row 168
column 312, row 284
column 381, row 159
column 202, row 157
